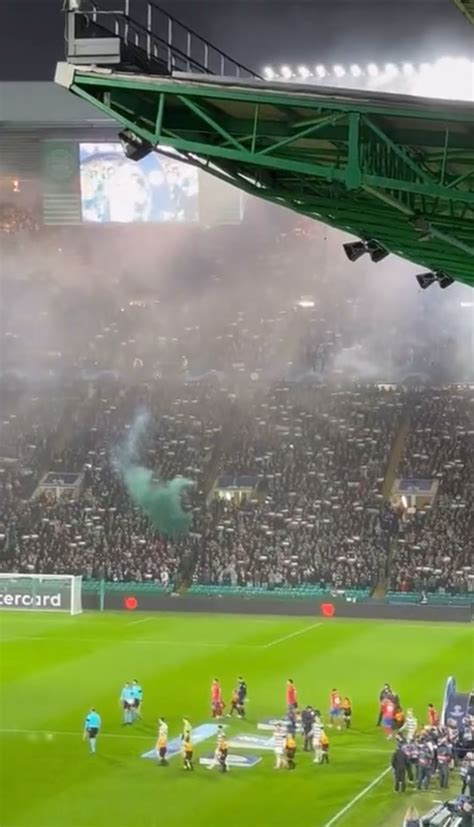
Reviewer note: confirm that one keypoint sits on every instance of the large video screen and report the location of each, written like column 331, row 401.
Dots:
column 155, row 189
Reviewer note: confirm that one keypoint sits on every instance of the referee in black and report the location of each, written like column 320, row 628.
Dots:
column 399, row 766
column 307, row 720
column 241, row 696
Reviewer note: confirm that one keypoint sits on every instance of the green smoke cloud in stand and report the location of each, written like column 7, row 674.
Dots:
column 160, row 500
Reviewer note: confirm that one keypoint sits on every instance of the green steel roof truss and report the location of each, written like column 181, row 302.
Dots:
column 467, row 8
column 396, row 170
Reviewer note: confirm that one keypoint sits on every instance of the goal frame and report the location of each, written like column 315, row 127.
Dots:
column 75, row 592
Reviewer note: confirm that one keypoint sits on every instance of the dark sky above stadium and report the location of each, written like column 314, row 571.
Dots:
column 261, row 32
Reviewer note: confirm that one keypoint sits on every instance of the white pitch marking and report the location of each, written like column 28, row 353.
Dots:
column 292, row 634
column 142, row 620
column 135, row 641
column 34, row 733
column 357, row 798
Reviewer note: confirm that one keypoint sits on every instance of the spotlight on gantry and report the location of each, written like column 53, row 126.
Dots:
column 134, row 147
column 444, row 280
column 425, row 280
column 354, row 249
column 376, row 252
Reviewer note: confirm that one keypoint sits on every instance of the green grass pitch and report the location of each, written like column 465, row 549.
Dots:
column 53, row 667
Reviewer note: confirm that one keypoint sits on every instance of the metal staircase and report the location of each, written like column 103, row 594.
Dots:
column 138, row 36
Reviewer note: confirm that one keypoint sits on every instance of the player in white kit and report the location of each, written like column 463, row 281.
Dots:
column 317, row 730
column 279, row 747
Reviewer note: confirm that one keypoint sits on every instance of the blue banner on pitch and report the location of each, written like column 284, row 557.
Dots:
column 200, row 734
column 239, row 761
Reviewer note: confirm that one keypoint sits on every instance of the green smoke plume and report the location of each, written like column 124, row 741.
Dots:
column 160, row 500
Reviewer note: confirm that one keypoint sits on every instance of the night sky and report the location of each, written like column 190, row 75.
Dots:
column 261, row 32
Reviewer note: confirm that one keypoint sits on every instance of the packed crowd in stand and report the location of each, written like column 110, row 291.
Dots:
column 434, row 550
column 15, row 219
column 319, row 456
column 277, row 388
column 101, row 534
column 316, row 457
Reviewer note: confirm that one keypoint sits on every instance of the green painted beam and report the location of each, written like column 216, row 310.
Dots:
column 252, row 92
column 467, row 8
column 374, row 166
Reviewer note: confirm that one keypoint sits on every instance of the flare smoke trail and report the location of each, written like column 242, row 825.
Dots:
column 160, row 500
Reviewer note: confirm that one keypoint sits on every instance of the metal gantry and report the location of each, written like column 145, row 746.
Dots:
column 467, row 8
column 138, row 35
column 394, row 170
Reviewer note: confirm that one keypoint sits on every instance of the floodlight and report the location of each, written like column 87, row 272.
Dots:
column 408, row 69
column 356, row 71
column 304, row 72
column 391, row 70
column 339, row 71
column 321, row 71
column 376, row 252
column 286, row 72
column 134, row 147
column 373, row 70
column 425, row 280
column 444, row 280
column 268, row 73
column 354, row 249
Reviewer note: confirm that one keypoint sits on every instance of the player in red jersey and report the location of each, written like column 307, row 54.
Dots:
column 291, row 699
column 388, row 715
column 217, row 704
column 432, row 716
column 335, row 708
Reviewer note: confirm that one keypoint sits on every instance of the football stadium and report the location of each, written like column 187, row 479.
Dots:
column 237, row 414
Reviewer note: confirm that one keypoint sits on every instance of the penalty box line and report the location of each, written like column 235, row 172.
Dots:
column 291, row 635
column 357, row 798
column 139, row 641
column 157, row 642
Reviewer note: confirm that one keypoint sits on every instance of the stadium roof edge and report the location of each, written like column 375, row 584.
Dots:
column 44, row 103
column 314, row 90
column 65, row 74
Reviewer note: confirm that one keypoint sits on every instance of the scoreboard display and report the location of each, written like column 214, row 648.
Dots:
column 95, row 183
column 116, row 189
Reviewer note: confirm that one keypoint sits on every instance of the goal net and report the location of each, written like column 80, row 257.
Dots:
column 41, row 592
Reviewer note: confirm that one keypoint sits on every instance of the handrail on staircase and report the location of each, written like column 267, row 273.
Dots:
column 173, row 51
column 203, row 40
column 134, row 25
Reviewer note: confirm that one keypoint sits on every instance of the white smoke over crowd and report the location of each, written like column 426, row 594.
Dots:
column 188, row 301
